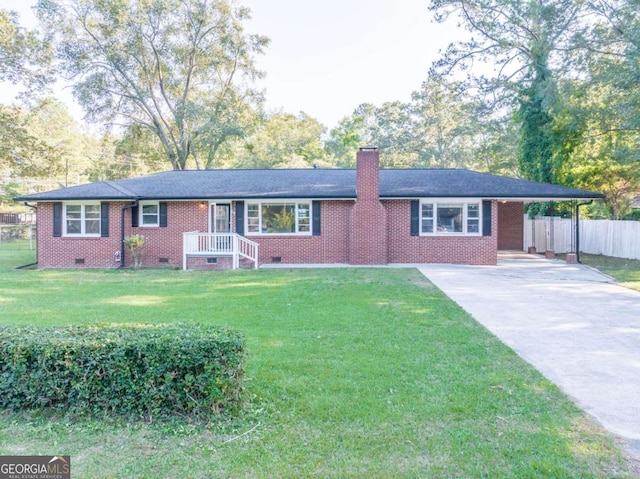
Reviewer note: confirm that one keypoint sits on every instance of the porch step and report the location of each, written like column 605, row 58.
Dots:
column 219, row 245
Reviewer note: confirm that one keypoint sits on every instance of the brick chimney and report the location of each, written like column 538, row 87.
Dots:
column 368, row 218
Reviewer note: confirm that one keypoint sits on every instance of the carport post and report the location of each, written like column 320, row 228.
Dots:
column 578, row 205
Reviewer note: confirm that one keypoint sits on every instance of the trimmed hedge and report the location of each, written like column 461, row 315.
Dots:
column 133, row 370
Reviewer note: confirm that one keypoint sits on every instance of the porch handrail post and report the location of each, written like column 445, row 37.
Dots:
column 236, row 255
column 184, row 251
column 255, row 259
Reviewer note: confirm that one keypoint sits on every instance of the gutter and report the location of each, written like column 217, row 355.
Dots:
column 578, row 205
column 23, row 266
column 122, row 212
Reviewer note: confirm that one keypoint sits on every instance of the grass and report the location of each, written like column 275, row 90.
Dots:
column 354, row 373
column 625, row 271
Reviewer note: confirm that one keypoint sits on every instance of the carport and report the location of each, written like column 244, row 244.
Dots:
column 511, row 231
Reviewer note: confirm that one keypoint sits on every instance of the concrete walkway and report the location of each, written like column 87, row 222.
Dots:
column 577, row 327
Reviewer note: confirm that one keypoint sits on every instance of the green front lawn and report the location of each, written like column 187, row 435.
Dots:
column 626, row 271
column 353, row 373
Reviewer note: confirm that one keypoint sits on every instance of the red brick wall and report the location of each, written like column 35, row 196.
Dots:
column 197, row 262
column 368, row 175
column 182, row 216
column 404, row 248
column 328, row 248
column 331, row 247
column 160, row 243
column 368, row 218
column 63, row 252
column 510, row 226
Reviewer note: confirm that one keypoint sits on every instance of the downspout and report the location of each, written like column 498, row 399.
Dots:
column 125, row 208
column 35, row 210
column 578, row 205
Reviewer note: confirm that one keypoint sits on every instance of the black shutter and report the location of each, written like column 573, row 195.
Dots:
column 486, row 218
column 315, row 218
column 415, row 218
column 134, row 215
column 240, row 218
column 104, row 220
column 163, row 214
column 57, row 220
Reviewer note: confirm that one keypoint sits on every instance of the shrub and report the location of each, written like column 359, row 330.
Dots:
column 14, row 232
column 135, row 244
column 133, row 370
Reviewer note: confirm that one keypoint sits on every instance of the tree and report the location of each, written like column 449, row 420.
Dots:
column 137, row 151
column 611, row 63
column 73, row 148
column 223, row 131
column 597, row 121
column 439, row 127
column 520, row 40
column 284, row 141
column 174, row 67
column 617, row 181
column 510, row 40
column 352, row 132
column 599, row 149
column 391, row 129
column 445, row 125
column 495, row 146
column 536, row 121
column 8, row 191
column 25, row 57
column 44, row 143
column 387, row 127
column 133, row 152
column 344, row 141
column 22, row 152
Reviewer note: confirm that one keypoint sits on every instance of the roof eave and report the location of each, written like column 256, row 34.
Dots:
column 530, row 199
column 50, row 199
column 526, row 198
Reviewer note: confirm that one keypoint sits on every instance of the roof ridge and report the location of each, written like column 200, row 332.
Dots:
column 218, row 170
column 119, row 189
column 422, row 168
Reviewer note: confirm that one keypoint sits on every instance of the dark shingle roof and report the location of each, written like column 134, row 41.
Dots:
column 310, row 183
column 465, row 183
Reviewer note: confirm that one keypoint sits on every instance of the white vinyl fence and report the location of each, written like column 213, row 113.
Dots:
column 606, row 237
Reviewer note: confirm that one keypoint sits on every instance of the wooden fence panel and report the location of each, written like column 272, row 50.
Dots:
column 17, row 218
column 620, row 239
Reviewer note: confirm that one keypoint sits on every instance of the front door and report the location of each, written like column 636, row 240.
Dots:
column 221, row 223
column 221, row 218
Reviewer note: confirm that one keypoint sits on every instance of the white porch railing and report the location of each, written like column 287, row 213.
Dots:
column 218, row 244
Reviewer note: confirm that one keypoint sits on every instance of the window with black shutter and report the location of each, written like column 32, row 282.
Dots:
column 240, row 218
column 315, row 218
column 163, row 214
column 415, row 218
column 104, row 220
column 486, row 218
column 57, row 220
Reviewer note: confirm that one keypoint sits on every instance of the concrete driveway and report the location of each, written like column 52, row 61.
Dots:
column 573, row 324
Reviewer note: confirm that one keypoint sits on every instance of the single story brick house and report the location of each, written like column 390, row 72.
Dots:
column 229, row 218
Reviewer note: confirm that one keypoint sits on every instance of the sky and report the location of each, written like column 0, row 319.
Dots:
column 327, row 57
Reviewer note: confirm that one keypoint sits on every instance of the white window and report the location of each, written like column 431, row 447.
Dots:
column 279, row 217
column 149, row 213
column 82, row 219
column 449, row 217
column 473, row 218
